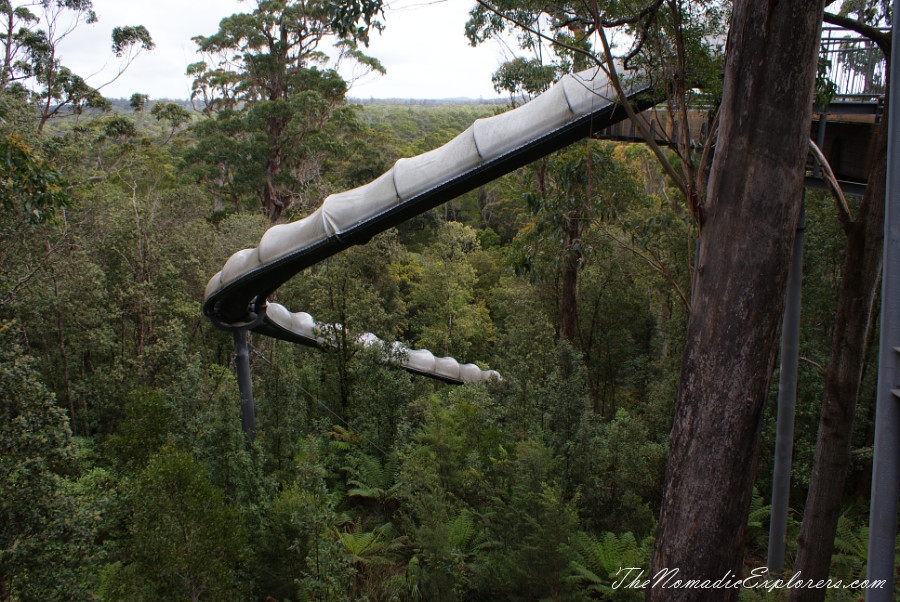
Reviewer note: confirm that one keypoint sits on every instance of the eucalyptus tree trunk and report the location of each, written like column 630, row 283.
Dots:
column 569, row 295
column 843, row 376
column 273, row 199
column 751, row 211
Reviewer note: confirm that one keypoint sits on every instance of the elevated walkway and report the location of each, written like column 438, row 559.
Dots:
column 843, row 132
column 580, row 105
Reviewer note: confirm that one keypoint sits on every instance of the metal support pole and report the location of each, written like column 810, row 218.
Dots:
column 787, row 396
column 245, row 384
column 820, row 142
column 886, row 455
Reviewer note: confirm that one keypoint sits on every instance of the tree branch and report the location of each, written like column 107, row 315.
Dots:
column 820, row 367
column 24, row 279
column 883, row 39
column 653, row 262
column 844, row 215
column 610, row 69
column 539, row 34
column 706, row 156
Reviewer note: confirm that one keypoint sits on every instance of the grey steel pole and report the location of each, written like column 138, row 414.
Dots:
column 787, row 396
column 245, row 383
column 820, row 141
column 886, row 455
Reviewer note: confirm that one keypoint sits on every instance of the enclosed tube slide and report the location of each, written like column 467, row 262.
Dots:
column 574, row 108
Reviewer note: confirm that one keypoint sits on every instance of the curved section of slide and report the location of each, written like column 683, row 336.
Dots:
column 300, row 327
column 573, row 108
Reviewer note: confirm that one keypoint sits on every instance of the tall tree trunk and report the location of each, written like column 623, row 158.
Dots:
column 751, row 211
column 569, row 297
column 843, row 376
column 274, row 203
column 8, row 42
column 61, row 343
column 219, row 189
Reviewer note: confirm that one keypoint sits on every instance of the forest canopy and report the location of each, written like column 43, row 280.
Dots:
column 124, row 471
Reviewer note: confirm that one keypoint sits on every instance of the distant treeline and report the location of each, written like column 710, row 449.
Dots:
column 124, row 104
column 429, row 101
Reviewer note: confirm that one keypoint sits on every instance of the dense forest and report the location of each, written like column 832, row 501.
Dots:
column 124, row 472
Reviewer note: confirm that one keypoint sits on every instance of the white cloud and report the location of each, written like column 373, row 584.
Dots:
column 423, row 49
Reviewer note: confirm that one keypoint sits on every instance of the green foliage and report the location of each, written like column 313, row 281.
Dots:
column 31, row 55
column 600, row 562
column 874, row 12
column 212, row 430
column 124, row 38
column 41, row 521
column 583, row 253
column 327, row 573
column 364, row 482
column 419, row 126
column 148, row 423
column 441, row 470
column 523, row 77
column 370, row 479
column 276, row 111
column 757, row 533
column 851, row 544
column 370, row 553
column 174, row 115
column 532, row 521
column 239, row 148
column 276, row 561
column 28, row 183
column 621, row 465
column 445, row 315
column 138, row 101
column 185, row 542
column 825, row 88
column 568, row 42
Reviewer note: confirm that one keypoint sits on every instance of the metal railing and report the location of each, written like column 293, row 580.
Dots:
column 854, row 64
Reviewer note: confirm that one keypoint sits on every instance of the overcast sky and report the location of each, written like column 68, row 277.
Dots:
column 423, row 49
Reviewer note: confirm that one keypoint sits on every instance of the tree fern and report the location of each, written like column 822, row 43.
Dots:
column 600, row 563
column 344, row 439
column 851, row 547
column 366, row 547
column 368, row 478
column 757, row 538
column 460, row 530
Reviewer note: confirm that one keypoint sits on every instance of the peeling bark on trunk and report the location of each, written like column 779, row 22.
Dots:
column 219, row 190
column 273, row 204
column 843, row 377
column 751, row 212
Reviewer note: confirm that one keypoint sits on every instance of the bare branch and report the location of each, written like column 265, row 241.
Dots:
column 843, row 208
column 610, row 69
column 820, row 367
column 21, row 282
column 539, row 34
column 653, row 262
